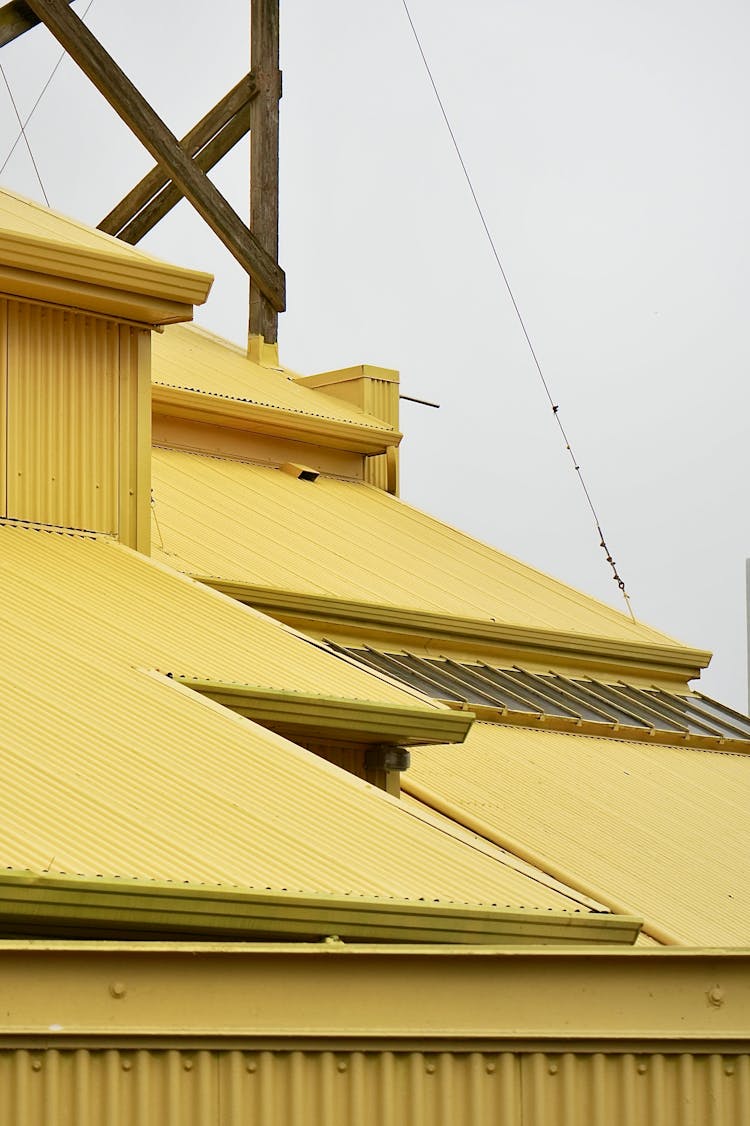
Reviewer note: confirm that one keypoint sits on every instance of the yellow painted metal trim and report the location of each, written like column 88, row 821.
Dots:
column 347, row 375
column 136, row 273
column 599, row 998
column 517, row 848
column 336, row 718
column 674, row 660
column 4, row 344
column 631, row 734
column 32, row 903
column 120, row 304
column 200, row 406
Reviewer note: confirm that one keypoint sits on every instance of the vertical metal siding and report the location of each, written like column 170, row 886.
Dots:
column 381, row 400
column 135, row 438
column 63, row 415
column 3, row 406
column 206, row 1087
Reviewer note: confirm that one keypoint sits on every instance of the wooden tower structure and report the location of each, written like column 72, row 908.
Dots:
column 182, row 165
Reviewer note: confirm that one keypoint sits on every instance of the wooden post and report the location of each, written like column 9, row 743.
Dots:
column 151, row 131
column 264, row 154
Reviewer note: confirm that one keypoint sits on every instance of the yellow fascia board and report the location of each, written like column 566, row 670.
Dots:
column 329, row 716
column 202, row 406
column 674, row 660
column 26, row 257
column 39, row 903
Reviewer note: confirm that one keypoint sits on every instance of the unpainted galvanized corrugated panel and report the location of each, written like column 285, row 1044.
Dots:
column 342, row 539
column 63, row 404
column 202, row 1086
column 194, row 359
column 661, row 829
column 108, row 770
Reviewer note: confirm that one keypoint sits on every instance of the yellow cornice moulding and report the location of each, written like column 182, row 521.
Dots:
column 201, row 406
column 332, row 717
column 376, row 619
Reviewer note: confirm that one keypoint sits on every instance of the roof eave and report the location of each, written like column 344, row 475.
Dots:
column 45, row 903
column 674, row 660
column 359, row 721
column 201, row 406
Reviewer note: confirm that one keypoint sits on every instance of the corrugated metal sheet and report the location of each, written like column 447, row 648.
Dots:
column 342, row 539
column 63, row 403
column 108, row 770
column 208, row 1087
column 110, row 598
column 194, row 359
column 664, row 830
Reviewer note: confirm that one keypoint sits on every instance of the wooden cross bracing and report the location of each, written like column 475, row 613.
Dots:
column 253, row 104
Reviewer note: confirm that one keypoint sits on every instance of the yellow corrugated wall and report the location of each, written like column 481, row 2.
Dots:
column 205, row 1087
column 381, row 399
column 3, row 405
column 77, row 426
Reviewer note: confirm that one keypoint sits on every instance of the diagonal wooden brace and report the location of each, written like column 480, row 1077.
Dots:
column 151, row 131
column 207, row 142
column 15, row 19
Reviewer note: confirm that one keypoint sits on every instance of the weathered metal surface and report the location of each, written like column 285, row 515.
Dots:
column 330, row 1035
column 206, row 1087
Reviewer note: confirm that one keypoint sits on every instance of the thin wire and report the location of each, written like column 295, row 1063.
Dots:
column 519, row 316
column 23, row 132
column 43, row 91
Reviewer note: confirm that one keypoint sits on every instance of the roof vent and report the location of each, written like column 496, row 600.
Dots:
column 302, row 472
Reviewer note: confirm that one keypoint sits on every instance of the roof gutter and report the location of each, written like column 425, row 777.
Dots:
column 239, row 414
column 378, row 620
column 331, row 717
column 44, row 904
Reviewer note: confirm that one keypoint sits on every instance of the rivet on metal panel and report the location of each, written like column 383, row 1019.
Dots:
column 552, row 1069
column 251, row 1066
column 117, row 989
column 716, row 995
column 642, row 1067
column 36, row 1065
column 127, row 1065
column 490, row 1068
column 729, row 1069
column 188, row 1065
column 430, row 1068
column 342, row 1065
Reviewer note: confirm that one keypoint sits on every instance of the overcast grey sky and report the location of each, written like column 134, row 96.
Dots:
column 608, row 144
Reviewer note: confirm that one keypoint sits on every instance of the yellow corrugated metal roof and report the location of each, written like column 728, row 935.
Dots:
column 156, row 618
column 112, row 770
column 35, row 240
column 252, row 524
column 193, row 359
column 663, row 830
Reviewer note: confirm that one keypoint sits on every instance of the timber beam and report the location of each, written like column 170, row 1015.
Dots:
column 132, row 107
column 17, row 18
column 207, row 142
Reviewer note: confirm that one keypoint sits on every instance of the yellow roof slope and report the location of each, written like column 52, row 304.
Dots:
column 112, row 770
column 192, row 359
column 35, row 239
column 114, row 598
column 662, row 830
column 249, row 524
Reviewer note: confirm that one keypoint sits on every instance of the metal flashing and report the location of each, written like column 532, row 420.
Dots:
column 318, row 716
